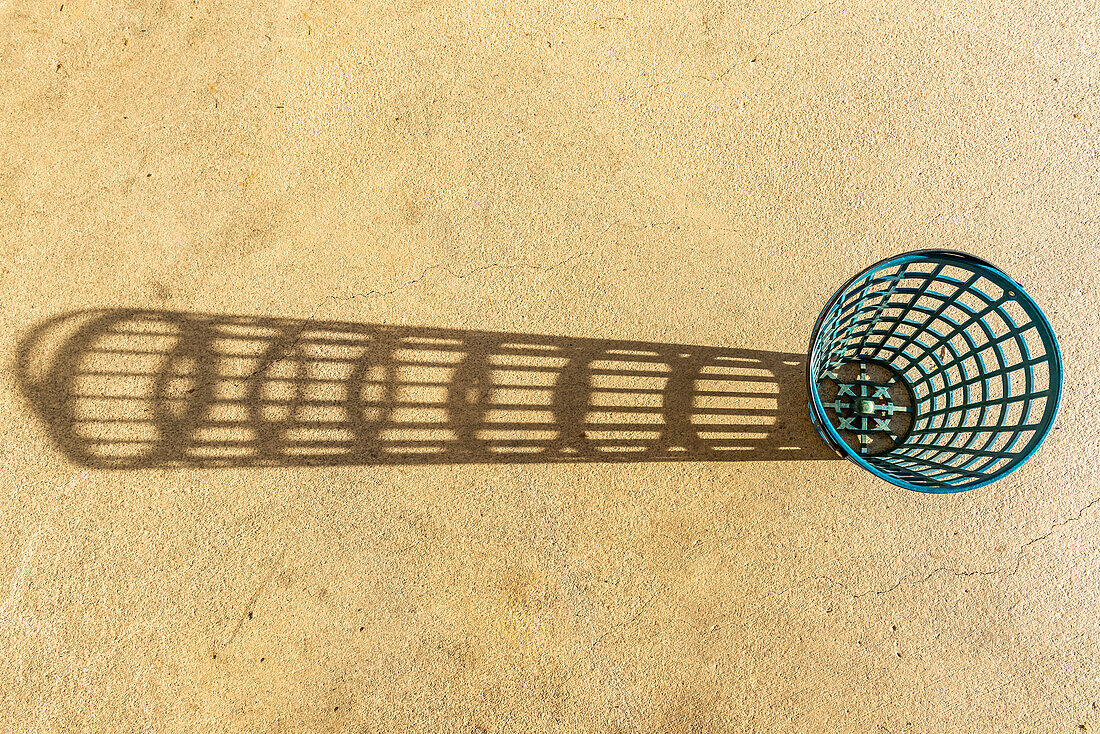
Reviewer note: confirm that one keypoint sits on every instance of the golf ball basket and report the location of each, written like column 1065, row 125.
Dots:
column 934, row 371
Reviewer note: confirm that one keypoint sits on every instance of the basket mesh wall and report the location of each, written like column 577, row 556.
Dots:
column 979, row 360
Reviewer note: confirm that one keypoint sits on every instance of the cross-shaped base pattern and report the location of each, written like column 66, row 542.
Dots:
column 866, row 406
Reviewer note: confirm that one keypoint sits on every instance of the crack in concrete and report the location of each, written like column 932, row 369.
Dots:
column 800, row 21
column 247, row 614
column 613, row 627
column 712, row 77
column 625, row 622
column 460, row 275
column 976, row 572
column 1036, row 179
column 438, row 266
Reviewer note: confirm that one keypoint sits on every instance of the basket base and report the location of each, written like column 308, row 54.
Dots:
column 869, row 404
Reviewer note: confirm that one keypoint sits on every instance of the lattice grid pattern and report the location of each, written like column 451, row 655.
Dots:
column 133, row 389
column 979, row 357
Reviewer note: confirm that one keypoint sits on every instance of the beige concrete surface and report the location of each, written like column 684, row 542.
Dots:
column 661, row 173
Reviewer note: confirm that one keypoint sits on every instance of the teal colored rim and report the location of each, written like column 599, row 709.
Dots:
column 855, row 299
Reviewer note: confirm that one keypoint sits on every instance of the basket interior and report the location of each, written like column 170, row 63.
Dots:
column 965, row 358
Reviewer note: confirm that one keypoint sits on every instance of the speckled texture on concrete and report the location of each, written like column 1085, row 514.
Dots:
column 697, row 173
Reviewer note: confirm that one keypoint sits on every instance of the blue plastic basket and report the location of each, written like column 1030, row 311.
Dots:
column 934, row 371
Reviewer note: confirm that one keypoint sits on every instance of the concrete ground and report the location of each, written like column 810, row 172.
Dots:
column 588, row 200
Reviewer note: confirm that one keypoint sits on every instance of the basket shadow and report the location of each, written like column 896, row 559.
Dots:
column 133, row 389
